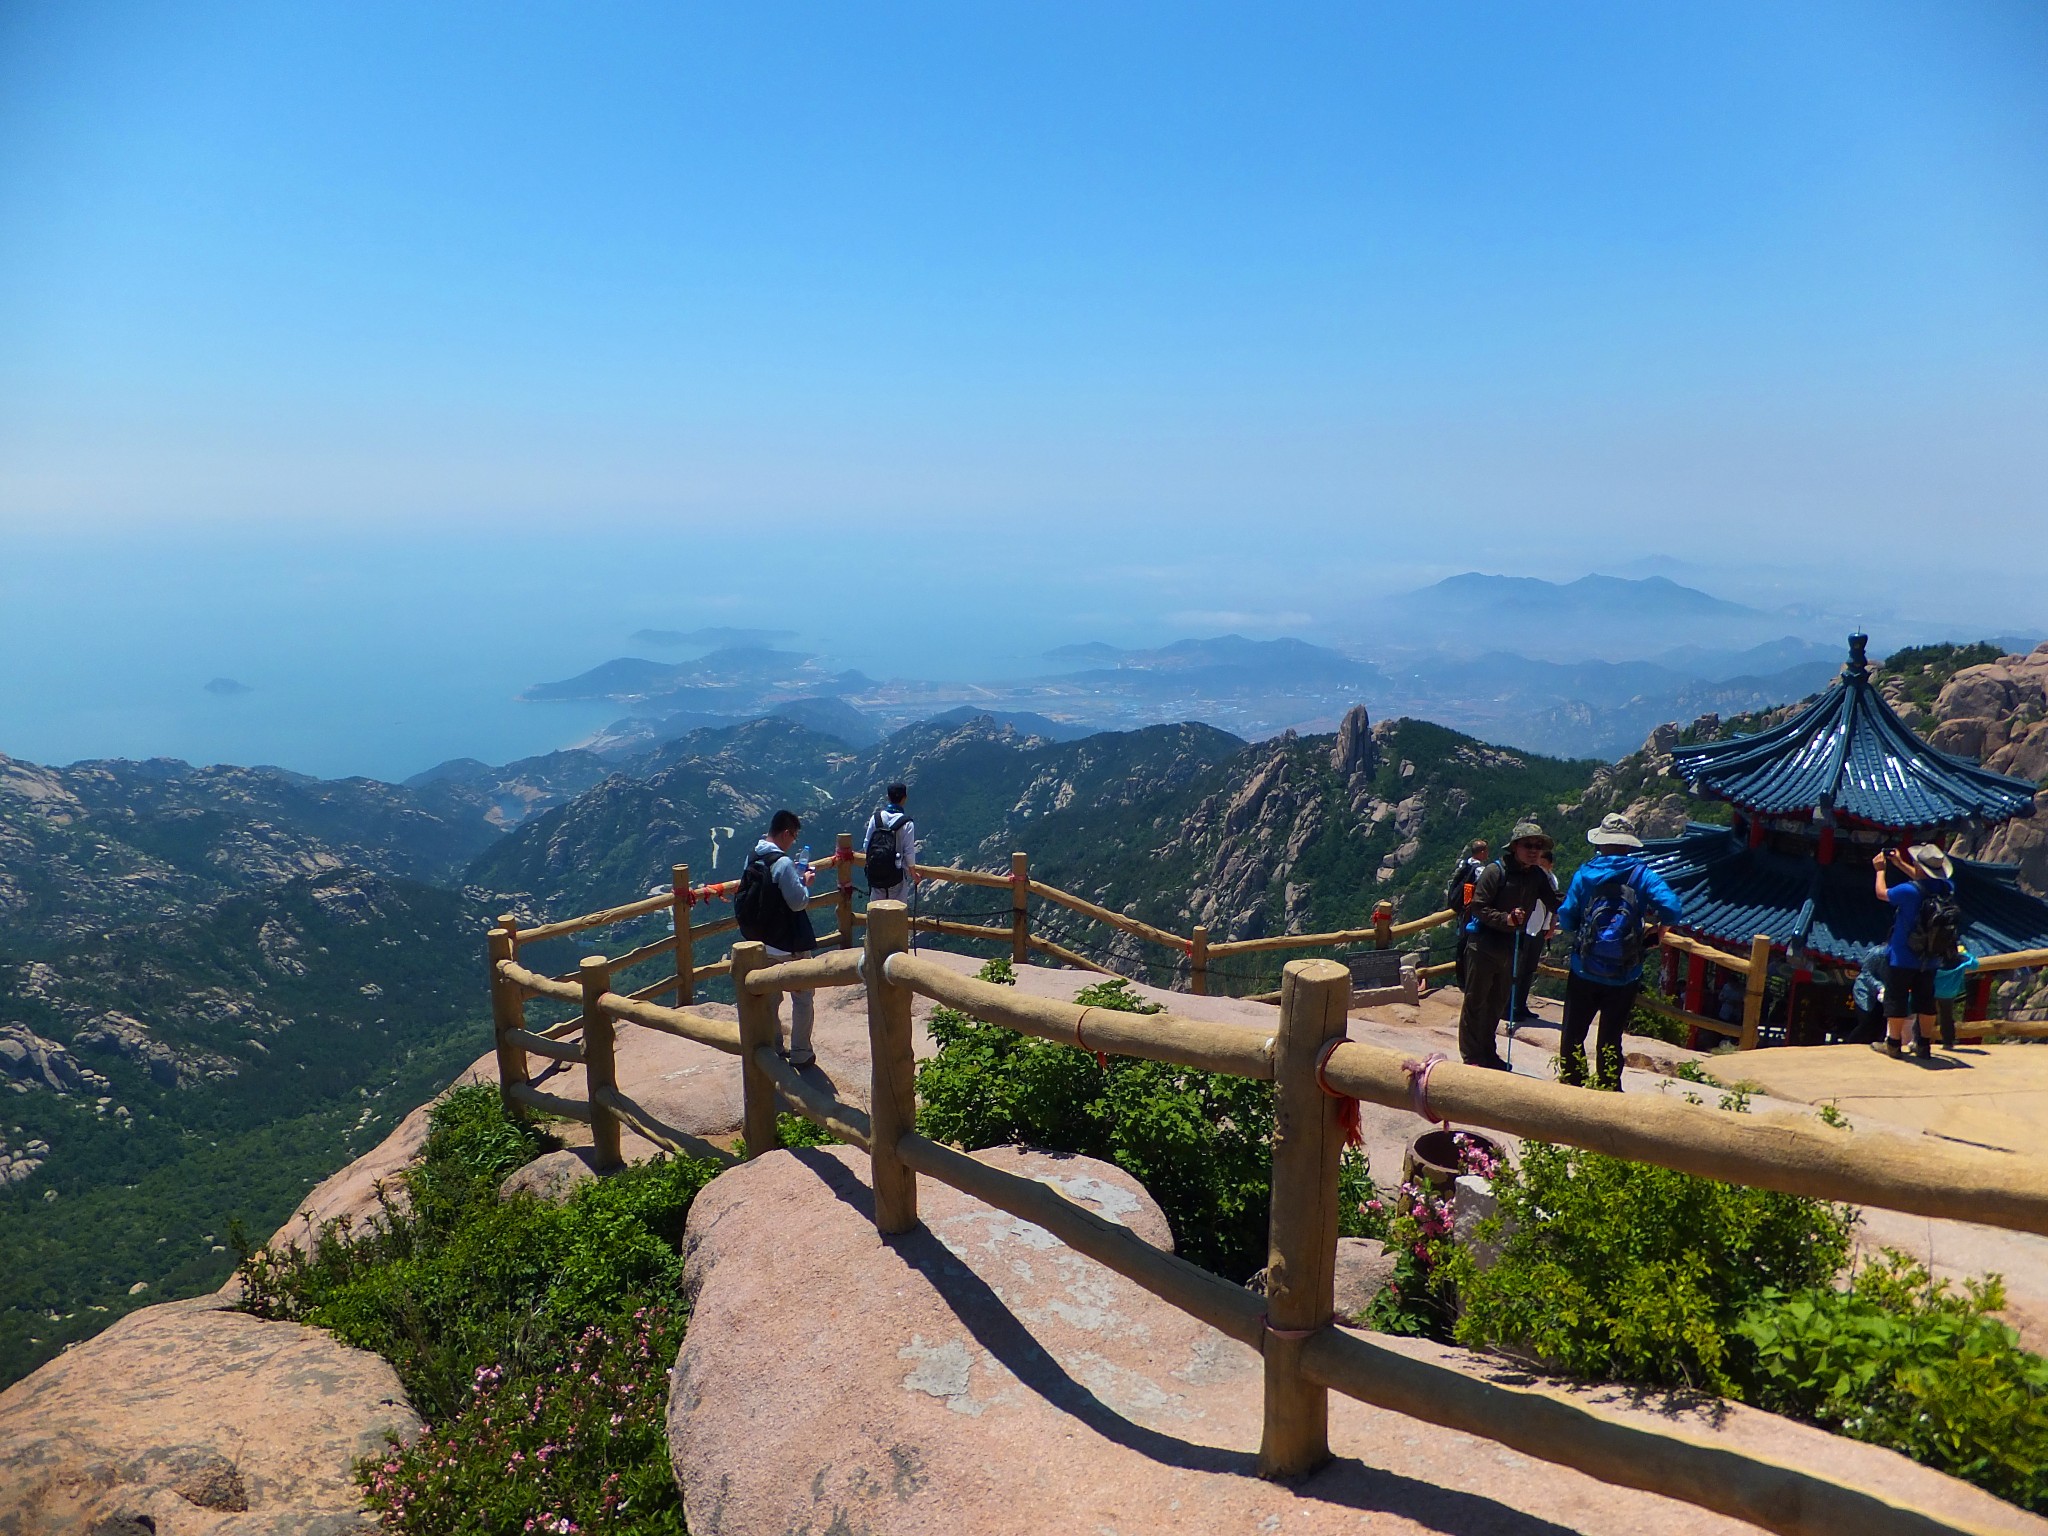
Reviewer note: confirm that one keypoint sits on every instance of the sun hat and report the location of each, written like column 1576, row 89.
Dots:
column 1615, row 831
column 1529, row 832
column 1932, row 859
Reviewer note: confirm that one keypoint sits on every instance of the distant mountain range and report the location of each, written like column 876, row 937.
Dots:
column 1571, row 669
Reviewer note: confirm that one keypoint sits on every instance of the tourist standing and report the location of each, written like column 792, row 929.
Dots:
column 1614, row 900
column 1503, row 895
column 1867, row 993
column 772, row 907
column 1925, row 929
column 890, row 848
column 1949, row 985
column 1458, row 894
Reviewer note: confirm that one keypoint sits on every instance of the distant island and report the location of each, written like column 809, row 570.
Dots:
column 227, row 687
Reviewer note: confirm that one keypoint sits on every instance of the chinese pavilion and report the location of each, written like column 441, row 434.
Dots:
column 1814, row 799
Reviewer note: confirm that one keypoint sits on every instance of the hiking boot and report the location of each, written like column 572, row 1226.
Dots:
column 1923, row 1049
column 1948, row 1034
column 1896, row 1049
column 801, row 1059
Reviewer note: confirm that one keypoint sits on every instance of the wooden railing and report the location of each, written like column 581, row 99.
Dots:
column 683, row 900
column 1311, row 1063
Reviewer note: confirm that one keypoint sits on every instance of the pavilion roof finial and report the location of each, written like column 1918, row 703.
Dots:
column 1859, row 661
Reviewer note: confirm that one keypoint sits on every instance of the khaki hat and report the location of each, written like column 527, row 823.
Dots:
column 1615, row 831
column 1931, row 859
column 1529, row 832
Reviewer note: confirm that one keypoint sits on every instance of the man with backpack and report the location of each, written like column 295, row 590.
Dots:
column 1926, row 932
column 1614, row 900
column 1458, row 894
column 890, row 845
column 772, row 907
column 1503, row 895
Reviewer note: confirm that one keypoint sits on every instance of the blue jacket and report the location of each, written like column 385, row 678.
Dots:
column 1660, row 902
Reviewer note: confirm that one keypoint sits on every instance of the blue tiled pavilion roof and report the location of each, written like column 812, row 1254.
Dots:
column 1849, row 753
column 1732, row 892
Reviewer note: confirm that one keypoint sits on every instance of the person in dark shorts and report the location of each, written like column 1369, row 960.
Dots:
column 1923, row 925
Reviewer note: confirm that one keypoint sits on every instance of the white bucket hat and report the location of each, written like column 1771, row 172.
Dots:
column 1615, row 831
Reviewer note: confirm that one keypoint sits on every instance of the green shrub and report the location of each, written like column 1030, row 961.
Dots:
column 1619, row 1271
column 569, row 1311
column 1903, row 1361
column 1200, row 1142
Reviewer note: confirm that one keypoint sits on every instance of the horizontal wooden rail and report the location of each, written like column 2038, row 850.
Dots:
column 1199, row 1043
column 539, row 985
column 646, row 904
column 832, row 968
column 1657, row 1004
column 848, row 1123
column 541, row 1045
column 661, row 946
column 549, row 1103
column 563, row 1028
column 960, row 930
column 720, row 1034
column 1918, row 1175
column 2016, row 960
column 1229, row 1309
column 1130, row 925
column 1067, row 956
column 1721, row 1478
column 647, row 1128
column 1721, row 957
column 715, row 968
column 1341, row 937
column 666, row 984
column 962, row 876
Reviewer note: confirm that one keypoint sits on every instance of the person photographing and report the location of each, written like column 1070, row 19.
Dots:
column 1927, row 923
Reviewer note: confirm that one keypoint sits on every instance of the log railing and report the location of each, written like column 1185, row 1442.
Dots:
column 1313, row 1067
column 1197, row 951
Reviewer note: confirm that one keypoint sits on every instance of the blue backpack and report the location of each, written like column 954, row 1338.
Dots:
column 1608, row 947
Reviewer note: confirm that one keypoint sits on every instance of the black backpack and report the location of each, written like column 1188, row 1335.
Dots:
column 884, row 862
column 1938, row 926
column 1454, row 893
column 758, row 905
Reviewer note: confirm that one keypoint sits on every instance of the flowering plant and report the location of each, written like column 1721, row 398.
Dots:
column 572, row 1448
column 1418, row 1299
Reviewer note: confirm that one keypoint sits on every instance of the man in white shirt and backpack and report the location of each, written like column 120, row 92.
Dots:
column 890, row 846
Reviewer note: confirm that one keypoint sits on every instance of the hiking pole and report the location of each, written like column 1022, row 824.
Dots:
column 1514, row 980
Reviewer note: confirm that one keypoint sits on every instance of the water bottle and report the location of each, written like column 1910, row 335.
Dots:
column 803, row 861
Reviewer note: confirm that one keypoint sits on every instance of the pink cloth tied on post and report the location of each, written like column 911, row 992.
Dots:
column 1418, row 1086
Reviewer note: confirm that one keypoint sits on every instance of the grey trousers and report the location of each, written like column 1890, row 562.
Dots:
column 802, row 1011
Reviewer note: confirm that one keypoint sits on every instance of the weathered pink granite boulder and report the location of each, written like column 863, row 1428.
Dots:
column 977, row 1377
column 188, row 1420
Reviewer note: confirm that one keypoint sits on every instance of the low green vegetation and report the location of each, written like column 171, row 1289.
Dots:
column 1201, row 1142
column 1616, row 1271
column 533, row 1338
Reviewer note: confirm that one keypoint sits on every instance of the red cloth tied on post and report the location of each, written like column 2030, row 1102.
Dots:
column 1349, row 1116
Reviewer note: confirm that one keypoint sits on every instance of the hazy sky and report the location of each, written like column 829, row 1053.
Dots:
column 1225, row 313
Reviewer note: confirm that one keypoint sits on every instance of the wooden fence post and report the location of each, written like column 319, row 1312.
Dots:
column 600, row 1070
column 1753, row 994
column 1383, row 925
column 1198, row 962
column 893, row 1102
column 760, row 1025
column 1301, row 1257
column 508, row 1012
column 510, row 924
column 686, row 945
column 845, row 890
column 1020, row 909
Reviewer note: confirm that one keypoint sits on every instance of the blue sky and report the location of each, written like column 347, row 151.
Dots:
column 1226, row 311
